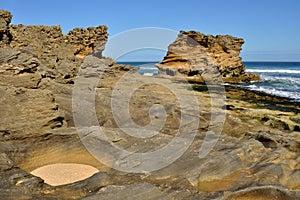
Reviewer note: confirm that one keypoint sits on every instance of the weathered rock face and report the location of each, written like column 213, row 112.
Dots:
column 55, row 55
column 5, row 19
column 48, row 40
column 19, row 68
column 192, row 53
column 60, row 55
column 35, row 106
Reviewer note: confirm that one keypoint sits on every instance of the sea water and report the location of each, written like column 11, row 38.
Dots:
column 277, row 78
column 145, row 68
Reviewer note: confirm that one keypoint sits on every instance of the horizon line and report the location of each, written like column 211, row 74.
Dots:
column 151, row 61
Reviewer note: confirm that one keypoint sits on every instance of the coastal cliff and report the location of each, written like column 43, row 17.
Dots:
column 257, row 154
column 193, row 52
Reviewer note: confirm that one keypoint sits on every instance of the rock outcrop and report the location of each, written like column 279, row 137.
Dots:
column 193, row 53
column 46, row 49
column 5, row 19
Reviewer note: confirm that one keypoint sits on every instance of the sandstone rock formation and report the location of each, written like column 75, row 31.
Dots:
column 193, row 53
column 5, row 19
column 256, row 156
column 46, row 50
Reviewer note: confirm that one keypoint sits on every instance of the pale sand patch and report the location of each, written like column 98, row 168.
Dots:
column 64, row 173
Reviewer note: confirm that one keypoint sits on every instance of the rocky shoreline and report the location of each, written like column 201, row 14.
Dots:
column 256, row 156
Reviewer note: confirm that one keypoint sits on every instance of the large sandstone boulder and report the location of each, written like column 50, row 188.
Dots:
column 193, row 53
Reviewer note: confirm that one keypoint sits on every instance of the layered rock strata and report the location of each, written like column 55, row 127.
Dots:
column 193, row 53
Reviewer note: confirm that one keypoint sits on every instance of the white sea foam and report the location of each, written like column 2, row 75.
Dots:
column 226, row 84
column 284, row 71
column 292, row 95
column 286, row 80
column 152, row 68
column 148, row 74
column 251, row 86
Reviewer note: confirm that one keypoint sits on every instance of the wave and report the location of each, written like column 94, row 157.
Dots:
column 285, row 80
column 284, row 71
column 148, row 74
column 152, row 68
column 295, row 96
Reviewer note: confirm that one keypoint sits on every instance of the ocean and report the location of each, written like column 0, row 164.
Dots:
column 277, row 78
column 145, row 68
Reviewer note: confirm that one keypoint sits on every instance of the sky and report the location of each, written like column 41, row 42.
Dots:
column 271, row 28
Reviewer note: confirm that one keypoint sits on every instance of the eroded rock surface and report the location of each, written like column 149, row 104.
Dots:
column 47, row 49
column 5, row 19
column 27, row 112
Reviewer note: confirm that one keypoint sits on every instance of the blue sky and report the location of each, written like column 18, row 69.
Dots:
column 271, row 28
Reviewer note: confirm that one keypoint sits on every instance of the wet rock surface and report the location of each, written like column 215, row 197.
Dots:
column 256, row 156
